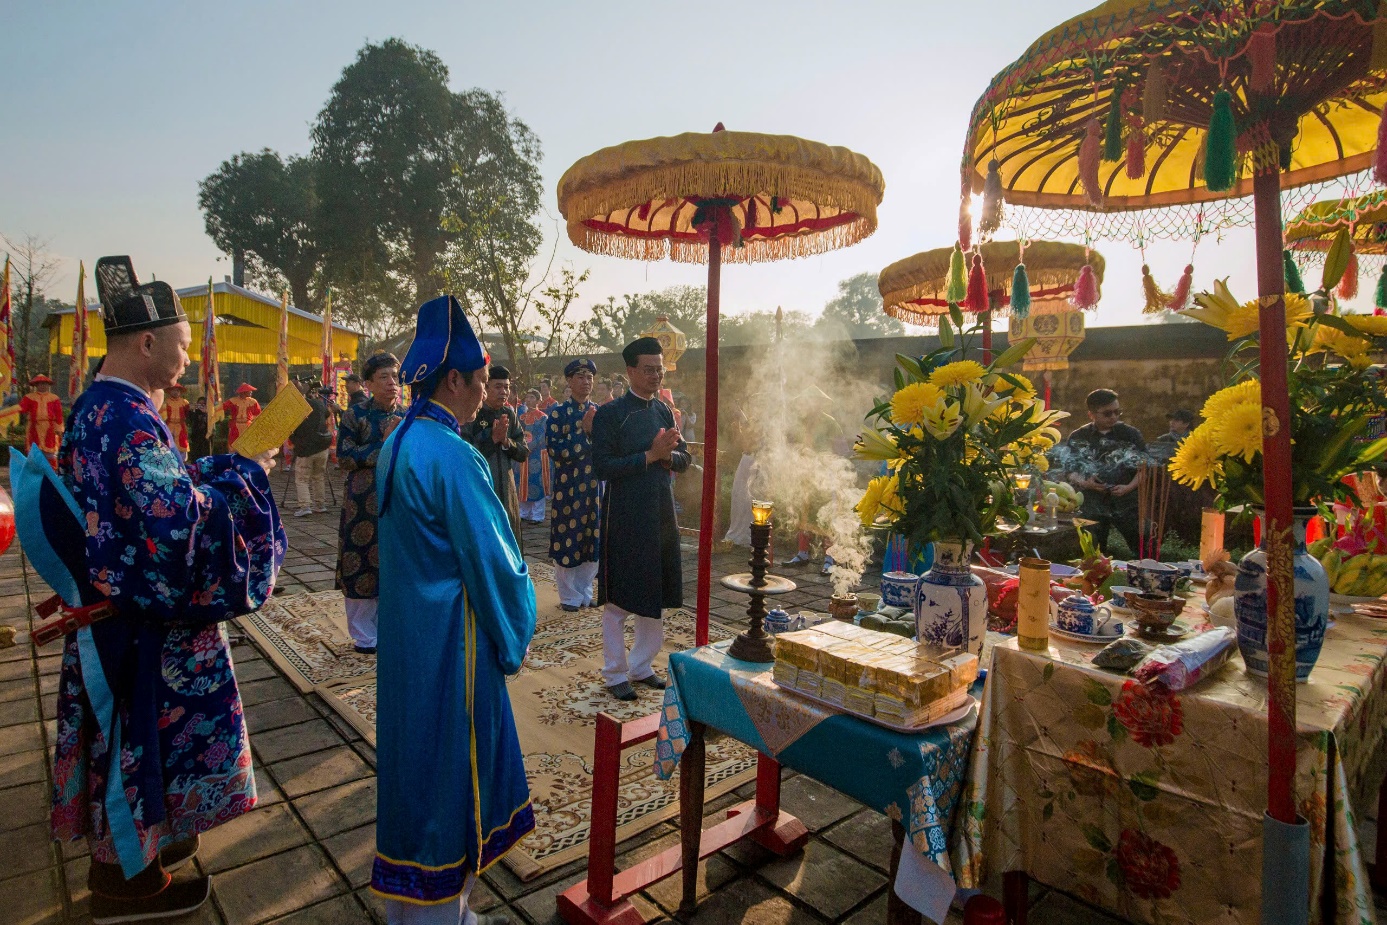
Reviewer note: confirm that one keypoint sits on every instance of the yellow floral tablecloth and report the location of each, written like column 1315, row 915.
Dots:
column 1151, row 806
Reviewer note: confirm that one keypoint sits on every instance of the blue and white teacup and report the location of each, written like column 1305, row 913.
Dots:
column 778, row 621
column 1078, row 614
column 1119, row 595
column 898, row 589
column 1153, row 577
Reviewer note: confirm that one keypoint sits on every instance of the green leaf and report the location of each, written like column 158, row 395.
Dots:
column 1095, row 837
column 946, row 333
column 1048, row 672
column 910, row 365
column 1096, row 693
column 1336, row 261
column 1014, row 353
column 1339, row 324
column 1116, row 731
column 1090, row 716
column 956, row 314
column 1115, row 873
column 1143, row 787
column 1047, row 812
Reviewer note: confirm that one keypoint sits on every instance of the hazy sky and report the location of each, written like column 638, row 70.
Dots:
column 113, row 112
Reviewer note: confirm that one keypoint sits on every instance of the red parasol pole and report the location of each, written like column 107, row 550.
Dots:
column 1276, row 468
column 708, row 509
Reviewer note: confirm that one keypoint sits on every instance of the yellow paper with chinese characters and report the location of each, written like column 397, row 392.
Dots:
column 274, row 425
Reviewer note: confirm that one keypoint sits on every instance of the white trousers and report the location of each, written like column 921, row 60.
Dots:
column 575, row 583
column 454, row 912
column 532, row 510
column 361, row 620
column 310, row 472
column 650, row 635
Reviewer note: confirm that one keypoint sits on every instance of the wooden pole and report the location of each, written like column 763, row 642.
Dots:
column 1276, row 480
column 707, row 512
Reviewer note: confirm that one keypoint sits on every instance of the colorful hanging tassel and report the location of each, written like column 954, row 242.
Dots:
column 1136, row 135
column 991, row 218
column 1090, row 153
column 958, row 285
column 1180, row 298
column 1292, row 272
column 1020, row 292
column 1220, row 152
column 976, row 300
column 1112, row 131
column 1348, row 286
column 1155, row 299
column 1086, row 289
column 965, row 225
column 1261, row 55
column 1380, row 156
column 1153, row 94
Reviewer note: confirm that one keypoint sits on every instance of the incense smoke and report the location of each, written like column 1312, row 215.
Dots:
column 805, row 408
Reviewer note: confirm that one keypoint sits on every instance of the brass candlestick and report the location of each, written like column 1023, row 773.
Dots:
column 754, row 643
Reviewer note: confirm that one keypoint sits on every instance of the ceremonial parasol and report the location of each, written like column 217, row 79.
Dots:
column 1174, row 106
column 760, row 197
column 1363, row 218
column 917, row 289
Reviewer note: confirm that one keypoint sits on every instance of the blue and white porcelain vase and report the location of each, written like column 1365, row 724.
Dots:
column 951, row 602
column 1311, row 603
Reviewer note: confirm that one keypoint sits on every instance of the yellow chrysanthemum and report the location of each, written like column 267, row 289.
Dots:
column 1237, row 431
column 1247, row 392
column 1371, row 325
column 1353, row 349
column 1196, row 459
column 881, row 498
column 960, row 372
column 1024, row 389
column 1041, row 463
column 909, row 404
column 1220, row 310
column 891, row 505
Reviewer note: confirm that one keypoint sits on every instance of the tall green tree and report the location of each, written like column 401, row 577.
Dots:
column 616, row 323
column 265, row 209
column 760, row 328
column 857, row 309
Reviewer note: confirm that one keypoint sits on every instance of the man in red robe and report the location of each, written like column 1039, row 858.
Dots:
column 175, row 414
column 44, row 412
column 240, row 411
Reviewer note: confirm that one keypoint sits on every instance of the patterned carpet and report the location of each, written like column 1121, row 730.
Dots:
column 556, row 698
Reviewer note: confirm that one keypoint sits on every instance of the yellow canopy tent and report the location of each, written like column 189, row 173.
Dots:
column 247, row 329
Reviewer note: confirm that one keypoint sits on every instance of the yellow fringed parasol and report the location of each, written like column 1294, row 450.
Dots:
column 1165, row 107
column 915, row 289
column 1366, row 216
column 760, row 197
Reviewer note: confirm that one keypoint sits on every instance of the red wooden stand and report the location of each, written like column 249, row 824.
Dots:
column 601, row 899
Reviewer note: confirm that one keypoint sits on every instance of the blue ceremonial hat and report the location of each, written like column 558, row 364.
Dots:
column 576, row 365
column 443, row 339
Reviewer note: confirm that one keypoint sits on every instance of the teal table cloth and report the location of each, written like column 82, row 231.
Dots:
column 914, row 779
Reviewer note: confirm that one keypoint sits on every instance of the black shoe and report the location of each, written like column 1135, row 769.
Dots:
column 654, row 681
column 622, row 691
column 177, row 899
column 178, row 854
column 364, row 650
column 569, row 608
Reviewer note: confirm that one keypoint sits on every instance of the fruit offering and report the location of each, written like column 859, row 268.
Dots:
column 1362, row 574
column 1070, row 498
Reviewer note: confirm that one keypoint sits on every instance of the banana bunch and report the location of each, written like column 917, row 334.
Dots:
column 1363, row 575
column 1070, row 499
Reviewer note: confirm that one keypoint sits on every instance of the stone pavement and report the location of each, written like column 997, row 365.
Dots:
column 303, row 856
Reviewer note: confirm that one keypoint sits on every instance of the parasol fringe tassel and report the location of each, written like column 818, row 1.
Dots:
column 1090, row 154
column 1020, row 292
column 1086, row 289
column 1136, row 135
column 958, row 278
column 1112, row 130
column 991, row 218
column 1220, row 145
column 755, row 250
column 1292, row 273
column 1153, row 94
column 1348, row 285
column 1155, row 299
column 977, row 300
column 1380, row 297
column 677, row 181
column 1180, row 298
column 1380, row 155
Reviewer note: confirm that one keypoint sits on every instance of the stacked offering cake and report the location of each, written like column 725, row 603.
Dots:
column 874, row 674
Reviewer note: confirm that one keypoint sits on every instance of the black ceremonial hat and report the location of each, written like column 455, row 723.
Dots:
column 126, row 306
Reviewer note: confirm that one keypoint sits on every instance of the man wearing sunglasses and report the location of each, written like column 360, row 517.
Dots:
column 1101, row 460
